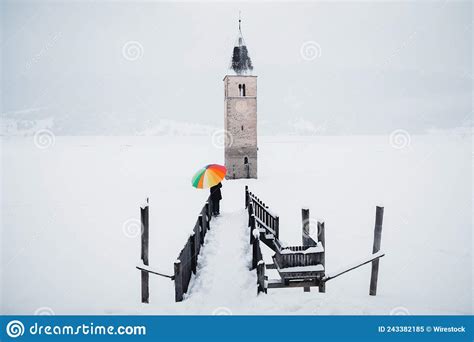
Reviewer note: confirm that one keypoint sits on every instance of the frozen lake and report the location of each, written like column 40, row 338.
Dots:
column 68, row 214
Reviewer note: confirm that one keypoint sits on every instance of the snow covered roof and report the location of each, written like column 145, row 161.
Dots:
column 241, row 62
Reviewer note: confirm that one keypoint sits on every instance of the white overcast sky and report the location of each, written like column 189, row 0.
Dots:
column 383, row 65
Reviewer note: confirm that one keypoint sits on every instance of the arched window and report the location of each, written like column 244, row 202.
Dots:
column 246, row 160
column 242, row 127
column 243, row 90
column 240, row 89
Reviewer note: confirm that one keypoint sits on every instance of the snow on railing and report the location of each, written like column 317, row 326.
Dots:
column 186, row 263
column 354, row 265
column 264, row 217
column 257, row 256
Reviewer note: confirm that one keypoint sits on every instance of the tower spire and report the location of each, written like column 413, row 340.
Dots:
column 241, row 62
column 240, row 20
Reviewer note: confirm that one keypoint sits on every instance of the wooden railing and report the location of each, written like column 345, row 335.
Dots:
column 186, row 263
column 265, row 220
column 310, row 253
column 305, row 263
column 299, row 256
column 257, row 257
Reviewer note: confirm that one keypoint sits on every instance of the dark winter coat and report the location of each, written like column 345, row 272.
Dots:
column 216, row 192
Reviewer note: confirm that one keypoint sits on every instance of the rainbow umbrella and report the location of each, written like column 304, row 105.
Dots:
column 209, row 176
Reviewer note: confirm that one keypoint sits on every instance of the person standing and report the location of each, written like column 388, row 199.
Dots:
column 216, row 196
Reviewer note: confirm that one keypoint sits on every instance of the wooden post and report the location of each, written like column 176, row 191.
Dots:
column 202, row 230
column 261, row 277
column 246, row 196
column 254, row 252
column 178, row 281
column 305, row 231
column 250, row 212
column 322, row 240
column 277, row 227
column 264, row 214
column 209, row 213
column 144, row 211
column 305, row 234
column 193, row 253
column 252, row 227
column 377, row 240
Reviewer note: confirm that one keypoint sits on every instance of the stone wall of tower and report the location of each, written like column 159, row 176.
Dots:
column 240, row 120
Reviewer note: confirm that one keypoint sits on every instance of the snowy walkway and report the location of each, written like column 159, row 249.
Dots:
column 223, row 278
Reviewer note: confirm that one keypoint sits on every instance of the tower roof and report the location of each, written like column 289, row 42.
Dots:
column 241, row 62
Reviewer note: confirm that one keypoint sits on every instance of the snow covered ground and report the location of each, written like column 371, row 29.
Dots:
column 69, row 216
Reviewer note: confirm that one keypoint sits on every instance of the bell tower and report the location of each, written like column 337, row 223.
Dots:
column 240, row 114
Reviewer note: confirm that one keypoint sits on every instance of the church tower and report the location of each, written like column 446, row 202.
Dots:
column 240, row 114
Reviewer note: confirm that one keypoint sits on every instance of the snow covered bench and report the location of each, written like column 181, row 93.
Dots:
column 300, row 262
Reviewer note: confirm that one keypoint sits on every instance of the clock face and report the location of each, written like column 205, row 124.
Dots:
column 241, row 106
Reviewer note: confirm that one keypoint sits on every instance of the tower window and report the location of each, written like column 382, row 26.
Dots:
column 242, row 127
column 241, row 89
column 246, row 160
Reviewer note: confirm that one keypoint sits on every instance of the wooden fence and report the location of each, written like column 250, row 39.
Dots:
column 303, row 265
column 266, row 221
column 257, row 257
column 298, row 266
column 186, row 263
column 295, row 256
